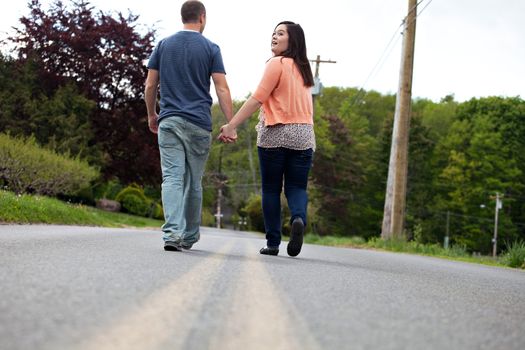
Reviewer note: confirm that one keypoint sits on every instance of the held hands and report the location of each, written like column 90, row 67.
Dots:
column 228, row 134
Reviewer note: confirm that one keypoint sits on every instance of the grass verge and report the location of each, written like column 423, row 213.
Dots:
column 400, row 246
column 515, row 255
column 28, row 209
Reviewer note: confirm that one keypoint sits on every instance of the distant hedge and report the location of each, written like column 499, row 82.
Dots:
column 25, row 167
column 254, row 211
column 135, row 202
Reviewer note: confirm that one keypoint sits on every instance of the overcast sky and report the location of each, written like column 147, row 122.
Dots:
column 469, row 48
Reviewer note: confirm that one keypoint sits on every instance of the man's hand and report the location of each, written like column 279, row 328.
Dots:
column 152, row 123
column 228, row 134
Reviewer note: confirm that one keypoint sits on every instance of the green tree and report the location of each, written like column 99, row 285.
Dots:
column 233, row 166
column 102, row 55
column 420, row 171
column 479, row 162
column 60, row 122
column 437, row 117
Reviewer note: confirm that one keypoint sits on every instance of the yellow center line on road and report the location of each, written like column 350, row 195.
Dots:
column 261, row 318
column 173, row 309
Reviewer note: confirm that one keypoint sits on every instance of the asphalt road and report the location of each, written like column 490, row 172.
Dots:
column 86, row 288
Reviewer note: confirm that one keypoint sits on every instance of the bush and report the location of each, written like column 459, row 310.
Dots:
column 134, row 205
column 134, row 201
column 207, row 218
column 26, row 167
column 253, row 209
column 156, row 211
column 515, row 255
column 83, row 196
column 107, row 190
column 131, row 190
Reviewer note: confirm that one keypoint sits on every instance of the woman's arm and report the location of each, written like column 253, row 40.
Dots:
column 229, row 131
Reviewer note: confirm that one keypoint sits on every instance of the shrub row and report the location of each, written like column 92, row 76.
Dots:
column 25, row 167
column 134, row 201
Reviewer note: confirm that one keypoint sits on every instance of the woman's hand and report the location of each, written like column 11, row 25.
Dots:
column 228, row 134
column 229, row 131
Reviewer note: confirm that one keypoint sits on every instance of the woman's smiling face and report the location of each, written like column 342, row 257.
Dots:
column 280, row 40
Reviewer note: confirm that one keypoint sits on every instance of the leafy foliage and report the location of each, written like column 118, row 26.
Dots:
column 481, row 161
column 254, row 211
column 102, row 54
column 459, row 155
column 27, row 168
column 75, row 86
column 74, row 50
column 134, row 201
column 60, row 121
column 515, row 255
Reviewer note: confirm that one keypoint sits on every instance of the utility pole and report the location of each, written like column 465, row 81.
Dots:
column 218, row 215
column 395, row 197
column 220, row 181
column 317, row 87
column 318, row 61
column 497, row 207
column 447, row 235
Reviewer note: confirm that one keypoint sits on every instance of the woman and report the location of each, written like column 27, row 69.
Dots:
column 285, row 134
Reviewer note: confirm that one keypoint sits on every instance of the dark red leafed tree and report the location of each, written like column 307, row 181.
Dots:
column 104, row 56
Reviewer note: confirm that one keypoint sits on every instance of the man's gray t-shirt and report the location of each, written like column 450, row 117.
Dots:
column 185, row 62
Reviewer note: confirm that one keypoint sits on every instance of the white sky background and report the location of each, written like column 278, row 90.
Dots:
column 469, row 48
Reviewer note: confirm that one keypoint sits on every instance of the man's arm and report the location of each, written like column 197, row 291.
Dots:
column 223, row 94
column 150, row 96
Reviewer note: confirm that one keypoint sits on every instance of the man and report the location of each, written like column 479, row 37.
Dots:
column 182, row 65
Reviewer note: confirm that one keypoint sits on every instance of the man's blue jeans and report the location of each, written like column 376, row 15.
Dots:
column 293, row 166
column 184, row 149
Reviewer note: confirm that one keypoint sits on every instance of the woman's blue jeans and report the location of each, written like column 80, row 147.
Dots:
column 292, row 166
column 184, row 149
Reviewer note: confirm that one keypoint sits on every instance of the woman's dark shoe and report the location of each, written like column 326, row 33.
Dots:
column 269, row 250
column 296, row 237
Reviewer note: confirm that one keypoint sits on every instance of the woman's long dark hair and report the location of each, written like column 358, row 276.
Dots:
column 297, row 51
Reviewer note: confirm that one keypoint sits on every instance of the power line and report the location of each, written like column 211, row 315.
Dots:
column 420, row 12
column 382, row 59
column 479, row 218
column 331, row 189
column 423, row 9
column 514, row 197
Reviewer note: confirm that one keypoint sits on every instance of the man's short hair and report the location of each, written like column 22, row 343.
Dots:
column 191, row 11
